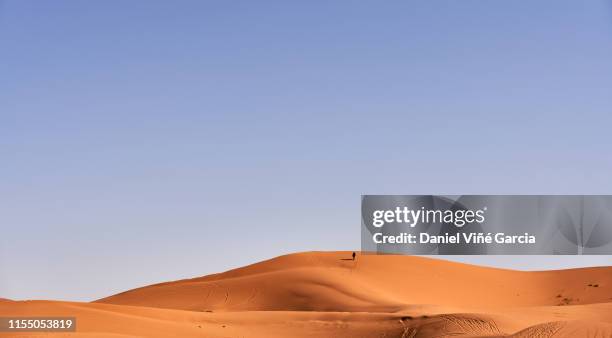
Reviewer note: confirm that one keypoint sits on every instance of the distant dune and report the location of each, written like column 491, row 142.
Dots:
column 324, row 294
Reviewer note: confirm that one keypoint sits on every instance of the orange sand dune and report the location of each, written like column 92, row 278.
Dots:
column 103, row 320
column 324, row 281
column 322, row 294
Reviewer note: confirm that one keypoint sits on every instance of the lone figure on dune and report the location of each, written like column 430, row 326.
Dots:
column 354, row 255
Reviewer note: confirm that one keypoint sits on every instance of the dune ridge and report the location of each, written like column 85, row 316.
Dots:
column 321, row 281
column 322, row 294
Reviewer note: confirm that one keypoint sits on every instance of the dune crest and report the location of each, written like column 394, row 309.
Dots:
column 331, row 281
column 322, row 294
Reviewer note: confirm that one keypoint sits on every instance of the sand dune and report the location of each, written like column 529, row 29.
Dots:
column 325, row 282
column 322, row 294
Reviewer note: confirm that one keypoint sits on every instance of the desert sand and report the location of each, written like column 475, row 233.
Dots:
column 326, row 294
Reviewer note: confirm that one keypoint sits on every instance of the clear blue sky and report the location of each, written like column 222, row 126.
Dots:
column 146, row 141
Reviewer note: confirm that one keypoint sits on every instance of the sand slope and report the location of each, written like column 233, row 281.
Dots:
column 322, row 294
column 104, row 320
column 323, row 281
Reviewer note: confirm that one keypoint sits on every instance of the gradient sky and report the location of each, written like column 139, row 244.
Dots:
column 146, row 141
